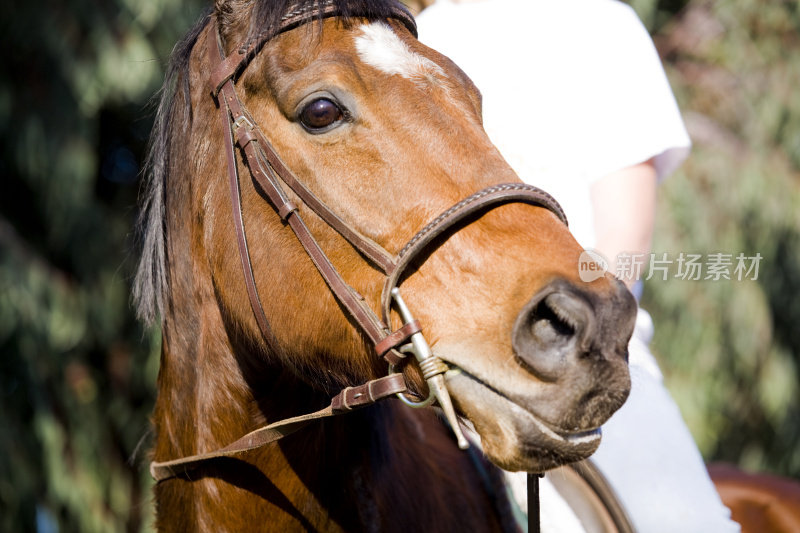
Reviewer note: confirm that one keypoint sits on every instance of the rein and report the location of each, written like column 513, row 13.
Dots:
column 271, row 176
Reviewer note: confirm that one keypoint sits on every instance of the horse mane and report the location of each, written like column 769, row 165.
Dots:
column 150, row 282
column 151, row 276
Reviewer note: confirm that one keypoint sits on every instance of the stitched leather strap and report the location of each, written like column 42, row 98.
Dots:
column 481, row 201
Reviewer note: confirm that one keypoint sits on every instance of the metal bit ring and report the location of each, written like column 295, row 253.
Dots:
column 411, row 403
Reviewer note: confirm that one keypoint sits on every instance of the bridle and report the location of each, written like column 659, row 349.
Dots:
column 271, row 175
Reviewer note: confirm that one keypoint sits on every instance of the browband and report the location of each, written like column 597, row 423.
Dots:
column 297, row 15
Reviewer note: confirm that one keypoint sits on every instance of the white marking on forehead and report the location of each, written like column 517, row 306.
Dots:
column 380, row 47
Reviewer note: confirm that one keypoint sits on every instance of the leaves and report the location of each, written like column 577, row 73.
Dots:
column 77, row 373
column 731, row 350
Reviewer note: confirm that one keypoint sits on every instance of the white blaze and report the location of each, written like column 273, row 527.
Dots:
column 379, row 47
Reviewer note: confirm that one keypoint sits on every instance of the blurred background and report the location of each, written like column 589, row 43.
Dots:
column 77, row 373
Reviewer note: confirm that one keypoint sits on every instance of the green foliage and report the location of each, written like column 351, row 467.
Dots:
column 77, row 374
column 731, row 349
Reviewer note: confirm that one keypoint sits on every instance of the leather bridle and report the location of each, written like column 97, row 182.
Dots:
column 271, row 176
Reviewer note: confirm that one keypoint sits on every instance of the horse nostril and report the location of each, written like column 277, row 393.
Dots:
column 550, row 332
column 551, row 321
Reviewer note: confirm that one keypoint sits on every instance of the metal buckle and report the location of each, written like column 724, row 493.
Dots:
column 432, row 369
column 240, row 121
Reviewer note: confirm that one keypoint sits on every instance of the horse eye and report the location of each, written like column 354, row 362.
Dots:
column 320, row 114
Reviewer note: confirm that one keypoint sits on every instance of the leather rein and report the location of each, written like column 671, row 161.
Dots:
column 271, row 176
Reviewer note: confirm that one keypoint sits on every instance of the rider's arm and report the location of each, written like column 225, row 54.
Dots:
column 624, row 205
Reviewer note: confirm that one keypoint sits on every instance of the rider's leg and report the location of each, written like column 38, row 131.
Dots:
column 650, row 459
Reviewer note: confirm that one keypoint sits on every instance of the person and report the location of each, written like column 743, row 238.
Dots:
column 576, row 100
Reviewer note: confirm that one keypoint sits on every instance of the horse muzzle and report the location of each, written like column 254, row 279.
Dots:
column 543, row 406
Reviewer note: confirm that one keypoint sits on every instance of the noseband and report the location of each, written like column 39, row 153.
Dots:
column 271, row 176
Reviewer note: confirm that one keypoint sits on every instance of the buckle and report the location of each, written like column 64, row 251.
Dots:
column 242, row 121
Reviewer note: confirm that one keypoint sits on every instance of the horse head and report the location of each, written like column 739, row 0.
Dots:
column 388, row 133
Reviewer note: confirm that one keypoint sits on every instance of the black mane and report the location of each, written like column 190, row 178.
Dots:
column 151, row 277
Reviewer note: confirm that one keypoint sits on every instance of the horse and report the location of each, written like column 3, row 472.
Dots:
column 311, row 161
column 760, row 503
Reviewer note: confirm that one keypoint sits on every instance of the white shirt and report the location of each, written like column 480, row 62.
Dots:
column 578, row 92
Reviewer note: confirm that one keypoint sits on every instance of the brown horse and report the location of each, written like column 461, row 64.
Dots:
column 388, row 133
column 761, row 503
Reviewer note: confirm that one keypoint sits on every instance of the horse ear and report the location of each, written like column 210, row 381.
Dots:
column 228, row 8
column 233, row 18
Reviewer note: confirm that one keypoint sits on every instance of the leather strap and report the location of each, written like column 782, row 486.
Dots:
column 384, row 347
column 377, row 255
column 236, row 205
column 255, row 146
column 347, row 400
column 370, row 392
column 481, row 201
column 534, row 520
